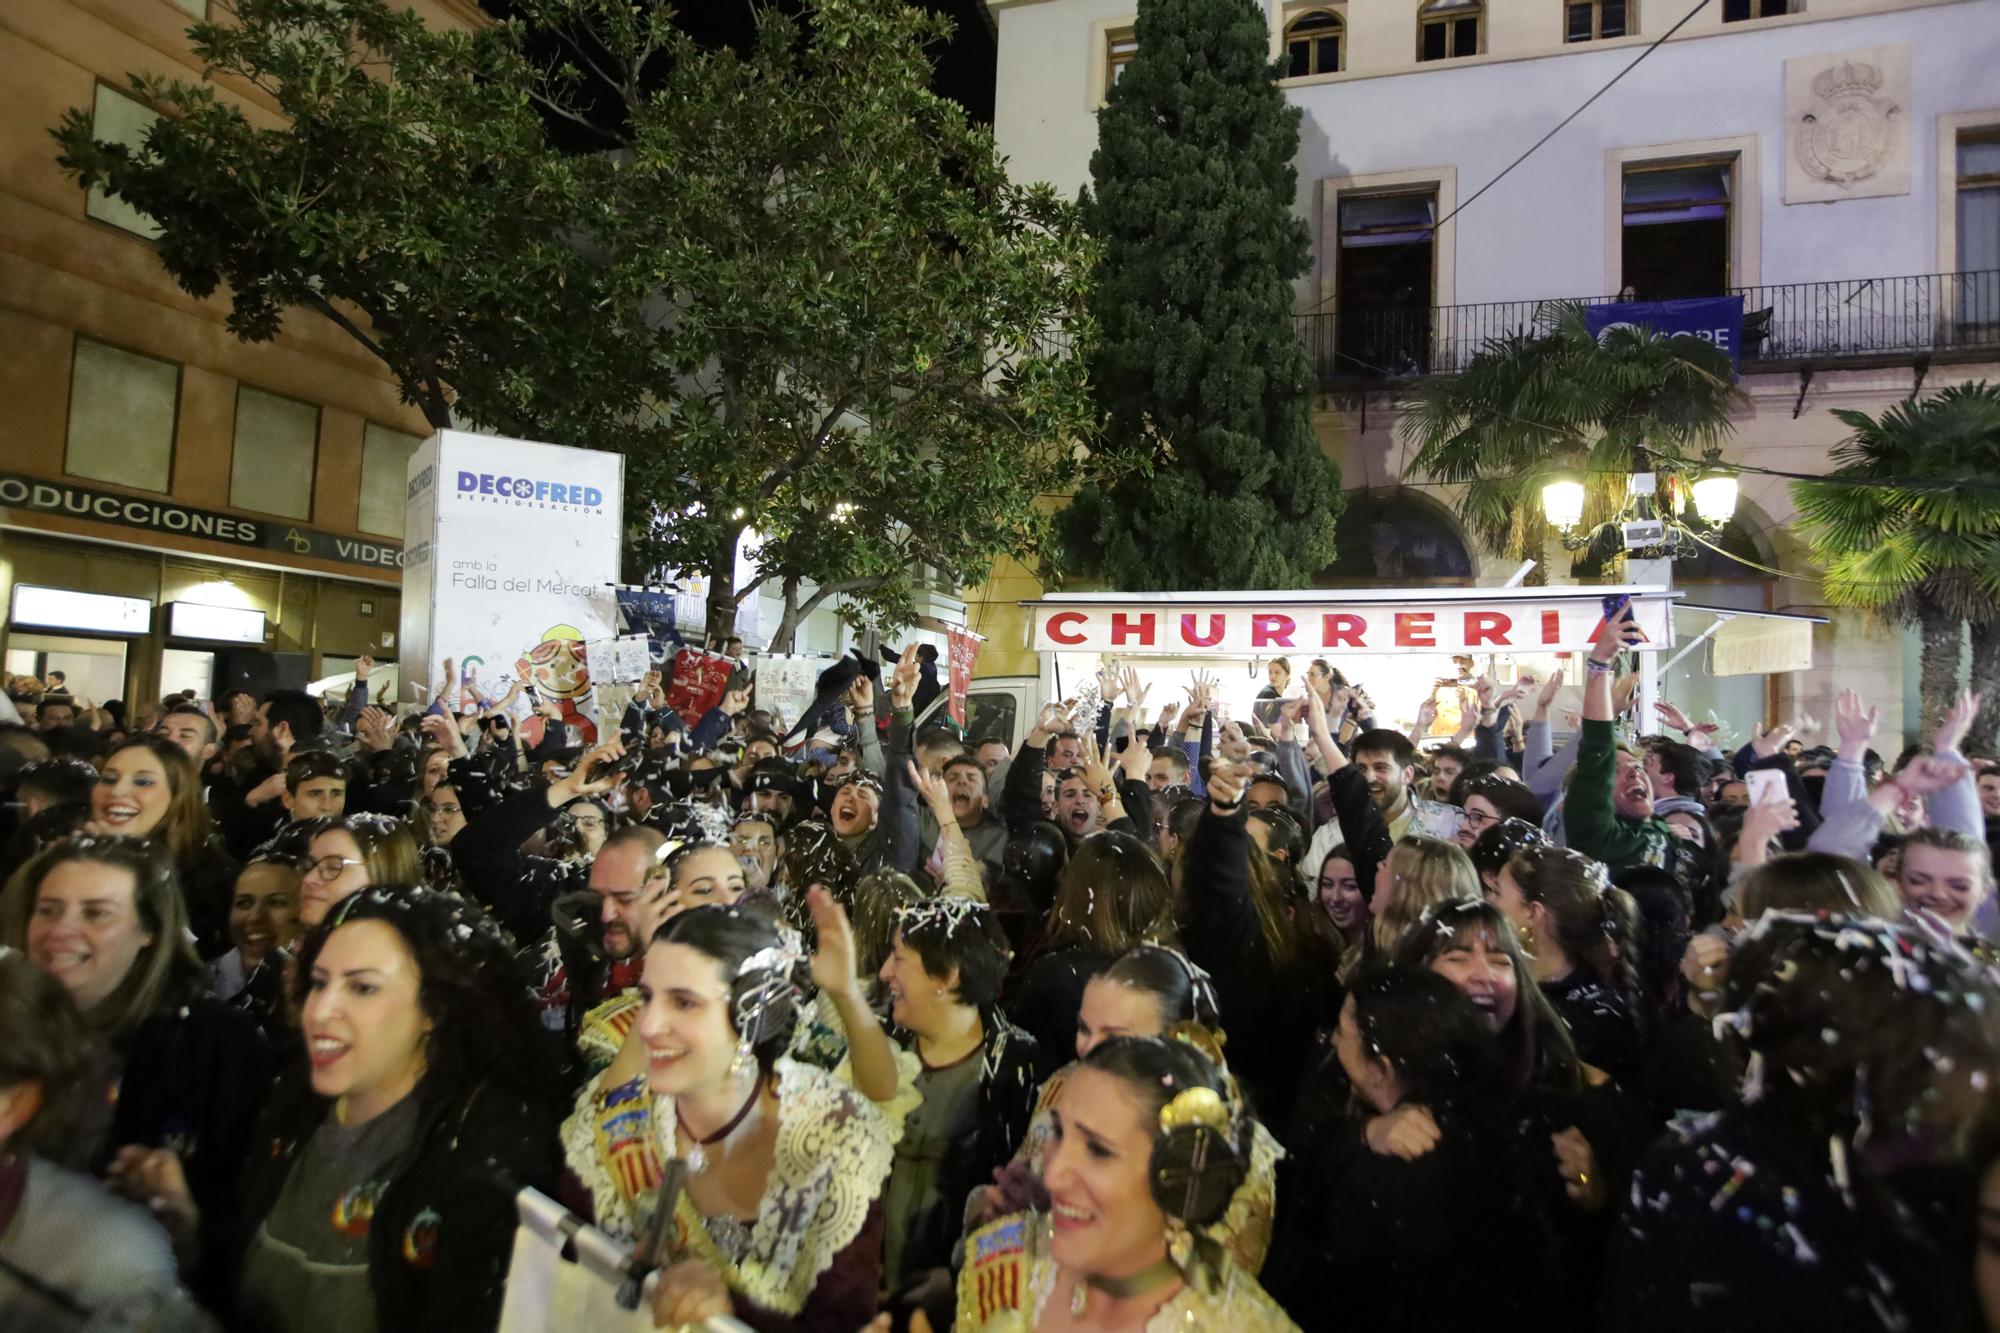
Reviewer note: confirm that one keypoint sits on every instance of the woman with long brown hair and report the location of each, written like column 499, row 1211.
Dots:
column 149, row 788
column 1114, row 896
column 173, row 1066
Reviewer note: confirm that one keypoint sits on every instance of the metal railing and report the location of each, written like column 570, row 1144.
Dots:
column 1787, row 322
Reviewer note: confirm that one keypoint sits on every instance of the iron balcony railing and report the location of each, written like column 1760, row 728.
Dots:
column 1814, row 322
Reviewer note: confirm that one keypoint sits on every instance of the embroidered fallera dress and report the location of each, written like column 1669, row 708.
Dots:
column 1009, row 1276
column 833, row 1154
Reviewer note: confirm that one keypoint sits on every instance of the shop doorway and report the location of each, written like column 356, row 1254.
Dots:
column 92, row 668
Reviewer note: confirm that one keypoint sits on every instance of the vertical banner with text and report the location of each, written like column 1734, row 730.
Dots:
column 964, row 647
column 511, row 550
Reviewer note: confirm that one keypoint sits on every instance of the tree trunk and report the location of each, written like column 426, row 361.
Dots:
column 1985, row 734
column 722, row 590
column 1942, row 640
column 788, row 622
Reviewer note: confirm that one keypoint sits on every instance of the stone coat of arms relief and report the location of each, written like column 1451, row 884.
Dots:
column 1847, row 125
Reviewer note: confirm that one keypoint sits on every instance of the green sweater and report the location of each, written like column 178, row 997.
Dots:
column 1590, row 823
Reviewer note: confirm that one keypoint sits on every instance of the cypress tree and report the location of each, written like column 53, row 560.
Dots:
column 1205, row 387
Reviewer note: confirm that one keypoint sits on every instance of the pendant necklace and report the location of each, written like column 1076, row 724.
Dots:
column 697, row 1160
column 1121, row 1288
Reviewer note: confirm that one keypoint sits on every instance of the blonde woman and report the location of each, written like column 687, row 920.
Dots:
column 1418, row 874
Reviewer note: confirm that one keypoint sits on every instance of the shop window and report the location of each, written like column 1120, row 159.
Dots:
column 121, row 417
column 385, row 466
column 1675, row 234
column 1313, row 43
column 116, row 118
column 277, row 443
column 1738, row 11
column 1589, row 20
column 1120, row 45
column 1448, row 29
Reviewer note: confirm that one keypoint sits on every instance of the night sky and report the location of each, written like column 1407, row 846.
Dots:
column 964, row 66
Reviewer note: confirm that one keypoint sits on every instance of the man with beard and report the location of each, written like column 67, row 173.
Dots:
column 1388, row 761
column 249, row 811
column 1608, row 814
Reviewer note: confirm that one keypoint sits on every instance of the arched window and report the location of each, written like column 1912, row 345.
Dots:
column 1395, row 536
column 1448, row 29
column 1313, row 42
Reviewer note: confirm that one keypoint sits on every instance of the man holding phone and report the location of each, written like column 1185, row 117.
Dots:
column 1609, row 813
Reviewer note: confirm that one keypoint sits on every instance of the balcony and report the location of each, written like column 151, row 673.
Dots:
column 1858, row 321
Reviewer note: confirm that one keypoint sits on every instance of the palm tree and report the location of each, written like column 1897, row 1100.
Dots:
column 1908, row 526
column 1536, row 402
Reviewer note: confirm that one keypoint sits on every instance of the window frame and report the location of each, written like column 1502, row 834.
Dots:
column 312, row 472
column 92, row 193
column 1753, row 16
column 361, row 479
column 1596, row 8
column 1121, row 47
column 1736, row 270
column 174, row 425
column 1447, row 15
column 1337, row 31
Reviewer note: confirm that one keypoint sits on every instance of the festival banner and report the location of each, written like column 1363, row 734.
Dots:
column 700, row 677
column 786, row 686
column 963, row 646
column 511, row 552
column 651, row 612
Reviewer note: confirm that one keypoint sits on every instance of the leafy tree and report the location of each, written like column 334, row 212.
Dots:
column 793, row 285
column 1205, row 386
column 1531, row 404
column 1908, row 526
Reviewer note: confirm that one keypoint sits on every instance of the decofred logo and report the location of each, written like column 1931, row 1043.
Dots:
column 527, row 492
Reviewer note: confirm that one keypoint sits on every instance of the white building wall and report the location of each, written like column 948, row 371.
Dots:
column 1542, row 232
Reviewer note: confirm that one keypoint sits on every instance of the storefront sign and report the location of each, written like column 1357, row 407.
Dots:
column 91, row 612
column 520, row 544
column 1343, row 623
column 214, row 624
column 37, row 496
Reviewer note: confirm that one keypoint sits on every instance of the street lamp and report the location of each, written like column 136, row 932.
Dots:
column 1562, row 499
column 1715, row 495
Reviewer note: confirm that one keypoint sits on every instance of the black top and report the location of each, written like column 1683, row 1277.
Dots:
column 442, row 1232
column 1044, row 1002
column 1601, row 1023
column 1734, row 1228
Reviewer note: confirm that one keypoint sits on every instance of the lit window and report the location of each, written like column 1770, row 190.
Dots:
column 116, row 118
column 1588, row 20
column 1312, row 43
column 1676, row 229
column 1737, row 11
column 277, row 439
column 121, row 416
column 1448, row 29
column 385, row 469
column 1120, row 45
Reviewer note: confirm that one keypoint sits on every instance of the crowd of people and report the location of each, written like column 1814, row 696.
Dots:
column 1159, row 1019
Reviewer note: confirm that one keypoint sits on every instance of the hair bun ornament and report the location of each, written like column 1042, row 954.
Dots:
column 767, row 994
column 1208, row 1040
column 1197, row 1164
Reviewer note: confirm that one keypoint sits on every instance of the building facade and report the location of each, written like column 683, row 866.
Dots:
column 1835, row 162
column 145, row 452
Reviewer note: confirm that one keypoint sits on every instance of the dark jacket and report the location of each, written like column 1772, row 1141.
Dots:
column 1732, row 1227
column 1601, row 1023
column 519, row 889
column 443, row 1231
column 1269, row 1015
column 193, row 1079
column 1045, row 998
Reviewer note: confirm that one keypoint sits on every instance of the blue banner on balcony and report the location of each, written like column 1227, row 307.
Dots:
column 1713, row 319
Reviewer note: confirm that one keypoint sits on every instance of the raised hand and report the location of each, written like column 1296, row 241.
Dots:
column 443, row 732
column 1407, row 1132
column 1226, row 785
column 936, row 795
column 374, row 728
column 1767, row 743
column 833, row 961
column 1928, row 773
column 1957, row 721
column 1854, row 722
column 1427, row 716
column 735, row 701
column 1054, row 717
column 590, row 777
column 903, row 682
column 861, row 696
column 1096, row 773
column 1547, row 698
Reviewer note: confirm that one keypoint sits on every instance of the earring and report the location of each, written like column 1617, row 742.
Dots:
column 744, row 1062
column 1180, row 1243
column 1525, row 933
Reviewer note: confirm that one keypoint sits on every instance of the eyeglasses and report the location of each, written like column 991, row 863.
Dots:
column 437, row 809
column 589, row 822
column 327, row 867
column 1477, row 819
